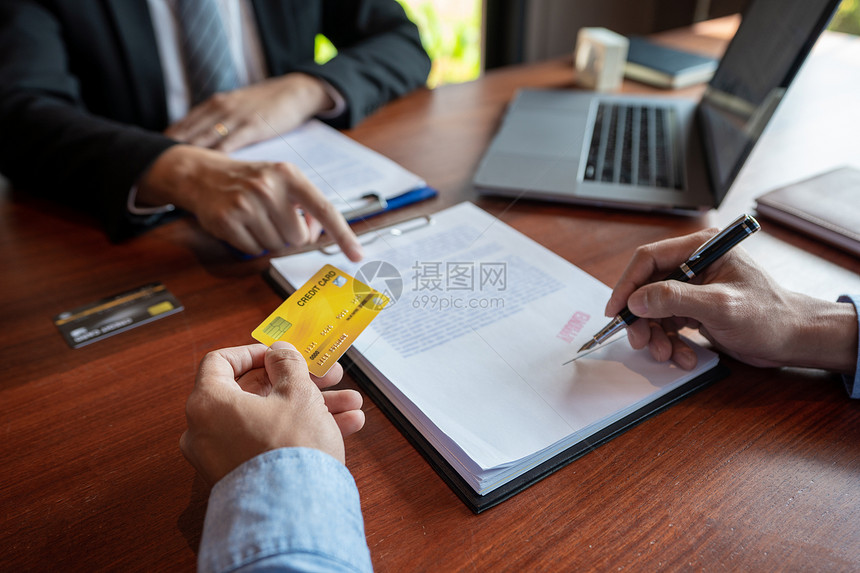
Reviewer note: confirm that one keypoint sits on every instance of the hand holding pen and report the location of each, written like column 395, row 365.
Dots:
column 680, row 304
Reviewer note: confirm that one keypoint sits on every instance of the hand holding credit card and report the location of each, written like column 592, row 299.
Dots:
column 323, row 317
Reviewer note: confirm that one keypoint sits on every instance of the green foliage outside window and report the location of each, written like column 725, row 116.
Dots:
column 847, row 18
column 452, row 41
column 324, row 50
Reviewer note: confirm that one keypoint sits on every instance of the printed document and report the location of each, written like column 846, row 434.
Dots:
column 471, row 347
column 342, row 168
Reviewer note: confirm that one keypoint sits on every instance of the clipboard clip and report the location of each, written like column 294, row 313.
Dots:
column 373, row 235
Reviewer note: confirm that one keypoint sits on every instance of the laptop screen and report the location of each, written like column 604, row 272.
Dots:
column 773, row 40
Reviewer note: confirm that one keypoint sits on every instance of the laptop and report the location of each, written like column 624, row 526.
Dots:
column 655, row 153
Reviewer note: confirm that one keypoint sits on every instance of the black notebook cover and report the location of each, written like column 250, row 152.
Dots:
column 478, row 503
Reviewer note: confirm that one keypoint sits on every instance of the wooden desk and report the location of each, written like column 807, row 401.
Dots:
column 758, row 472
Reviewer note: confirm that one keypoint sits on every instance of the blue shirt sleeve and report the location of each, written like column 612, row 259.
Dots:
column 291, row 509
column 852, row 381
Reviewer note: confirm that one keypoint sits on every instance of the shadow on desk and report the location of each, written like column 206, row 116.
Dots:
column 752, row 387
column 796, row 401
column 190, row 520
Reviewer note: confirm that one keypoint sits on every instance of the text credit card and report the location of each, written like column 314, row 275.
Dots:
column 323, row 317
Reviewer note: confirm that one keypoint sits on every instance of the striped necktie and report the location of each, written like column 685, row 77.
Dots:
column 208, row 62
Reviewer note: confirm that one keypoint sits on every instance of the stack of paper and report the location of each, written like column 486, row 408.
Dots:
column 471, row 349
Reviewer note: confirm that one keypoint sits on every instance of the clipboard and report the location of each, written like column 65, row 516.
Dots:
column 375, row 204
column 396, row 400
column 479, row 503
column 371, row 236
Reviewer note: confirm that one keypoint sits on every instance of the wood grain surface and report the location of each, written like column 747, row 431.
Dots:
column 760, row 471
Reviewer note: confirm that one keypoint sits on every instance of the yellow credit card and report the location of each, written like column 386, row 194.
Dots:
column 323, row 317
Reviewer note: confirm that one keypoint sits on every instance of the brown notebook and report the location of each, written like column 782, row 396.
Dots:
column 826, row 206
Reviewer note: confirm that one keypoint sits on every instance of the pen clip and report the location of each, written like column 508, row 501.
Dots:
column 742, row 221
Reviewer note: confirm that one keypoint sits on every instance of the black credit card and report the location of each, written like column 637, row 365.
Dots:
column 116, row 314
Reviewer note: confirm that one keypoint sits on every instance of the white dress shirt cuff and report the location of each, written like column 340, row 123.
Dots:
column 135, row 209
column 338, row 99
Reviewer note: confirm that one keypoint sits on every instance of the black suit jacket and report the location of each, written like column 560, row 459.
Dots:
column 82, row 101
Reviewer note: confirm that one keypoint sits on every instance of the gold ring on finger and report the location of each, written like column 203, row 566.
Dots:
column 221, row 129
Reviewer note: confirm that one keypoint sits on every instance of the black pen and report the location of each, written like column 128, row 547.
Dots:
column 713, row 249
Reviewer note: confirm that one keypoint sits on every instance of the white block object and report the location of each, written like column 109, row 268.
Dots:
column 599, row 59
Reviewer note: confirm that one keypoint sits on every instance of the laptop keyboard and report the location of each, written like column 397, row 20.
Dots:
column 634, row 145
